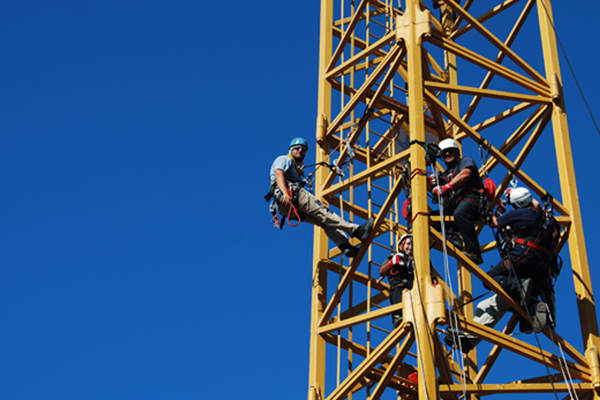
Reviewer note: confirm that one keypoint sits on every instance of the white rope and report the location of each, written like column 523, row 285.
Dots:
column 453, row 318
column 564, row 370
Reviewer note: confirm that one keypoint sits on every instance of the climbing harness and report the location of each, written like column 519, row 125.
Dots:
column 292, row 208
column 279, row 221
column 306, row 183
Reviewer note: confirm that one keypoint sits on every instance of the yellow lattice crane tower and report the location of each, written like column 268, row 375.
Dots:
column 395, row 77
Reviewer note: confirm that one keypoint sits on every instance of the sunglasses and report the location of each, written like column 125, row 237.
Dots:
column 299, row 148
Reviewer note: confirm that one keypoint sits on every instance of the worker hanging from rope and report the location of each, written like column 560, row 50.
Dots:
column 461, row 185
column 297, row 203
column 528, row 267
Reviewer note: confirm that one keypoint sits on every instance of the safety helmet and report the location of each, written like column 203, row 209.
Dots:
column 518, row 197
column 403, row 238
column 447, row 144
column 299, row 141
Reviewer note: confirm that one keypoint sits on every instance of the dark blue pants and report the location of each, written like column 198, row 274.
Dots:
column 465, row 215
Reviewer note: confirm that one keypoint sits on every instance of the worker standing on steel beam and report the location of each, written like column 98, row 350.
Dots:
column 297, row 203
column 462, row 186
column 399, row 268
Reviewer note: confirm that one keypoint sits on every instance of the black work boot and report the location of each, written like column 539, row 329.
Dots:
column 525, row 325
column 349, row 250
column 454, row 237
column 476, row 258
column 397, row 320
column 465, row 343
column 363, row 231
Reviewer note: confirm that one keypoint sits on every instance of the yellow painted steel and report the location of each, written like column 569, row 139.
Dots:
column 392, row 78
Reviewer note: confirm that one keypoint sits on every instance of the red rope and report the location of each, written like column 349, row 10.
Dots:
column 416, row 215
column 417, row 171
column 292, row 207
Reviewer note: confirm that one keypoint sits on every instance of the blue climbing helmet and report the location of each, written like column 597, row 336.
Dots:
column 299, row 141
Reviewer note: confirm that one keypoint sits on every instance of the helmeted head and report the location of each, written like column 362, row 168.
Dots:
column 518, row 197
column 450, row 151
column 299, row 142
column 405, row 243
column 298, row 148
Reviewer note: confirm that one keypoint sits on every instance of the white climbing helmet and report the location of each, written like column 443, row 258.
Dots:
column 447, row 144
column 403, row 238
column 519, row 197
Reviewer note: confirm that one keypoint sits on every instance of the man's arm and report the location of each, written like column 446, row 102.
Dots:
column 461, row 178
column 384, row 270
column 494, row 221
column 457, row 182
column 282, row 185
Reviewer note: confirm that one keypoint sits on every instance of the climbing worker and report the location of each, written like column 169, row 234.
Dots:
column 288, row 192
column 526, row 270
column 400, row 270
column 462, row 187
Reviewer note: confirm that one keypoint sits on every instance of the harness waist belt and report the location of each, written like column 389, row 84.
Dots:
column 528, row 243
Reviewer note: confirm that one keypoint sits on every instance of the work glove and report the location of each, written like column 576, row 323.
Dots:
column 441, row 190
column 395, row 260
column 433, row 179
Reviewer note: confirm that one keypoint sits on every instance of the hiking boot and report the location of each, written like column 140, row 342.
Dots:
column 465, row 343
column 363, row 231
column 456, row 240
column 525, row 326
column 476, row 258
column 349, row 250
column 539, row 319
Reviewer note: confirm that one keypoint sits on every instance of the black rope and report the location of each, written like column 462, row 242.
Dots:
column 571, row 69
column 472, row 300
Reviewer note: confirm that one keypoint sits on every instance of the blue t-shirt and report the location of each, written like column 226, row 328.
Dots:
column 474, row 181
column 286, row 164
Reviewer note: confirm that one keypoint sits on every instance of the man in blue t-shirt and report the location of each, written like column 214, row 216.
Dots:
column 287, row 189
column 462, row 187
column 526, row 272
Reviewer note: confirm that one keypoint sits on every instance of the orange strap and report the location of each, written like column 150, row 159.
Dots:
column 528, row 243
column 292, row 207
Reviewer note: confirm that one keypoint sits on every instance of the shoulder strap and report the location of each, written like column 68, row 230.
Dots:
column 298, row 168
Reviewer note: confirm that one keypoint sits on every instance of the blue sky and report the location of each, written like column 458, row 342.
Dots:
column 138, row 257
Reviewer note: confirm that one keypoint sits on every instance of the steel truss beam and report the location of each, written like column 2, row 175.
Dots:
column 392, row 77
